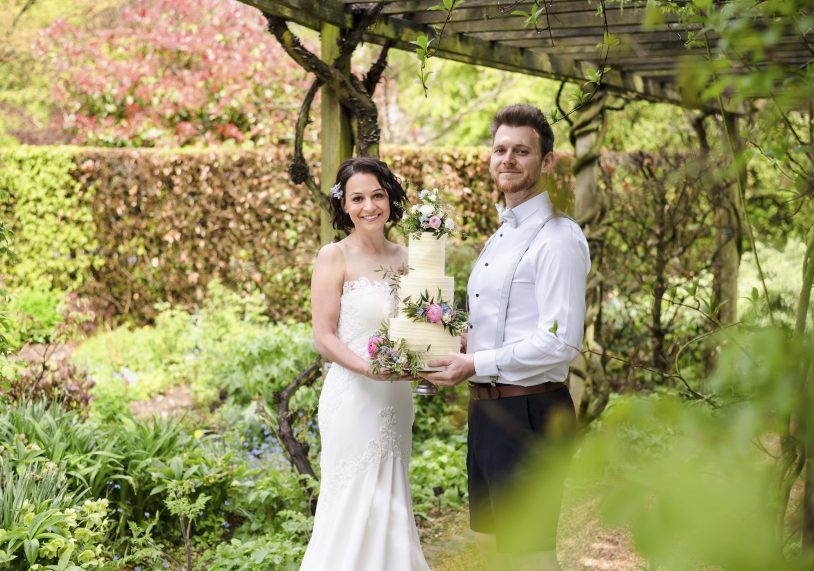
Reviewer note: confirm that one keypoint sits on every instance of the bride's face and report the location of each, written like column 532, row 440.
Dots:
column 366, row 202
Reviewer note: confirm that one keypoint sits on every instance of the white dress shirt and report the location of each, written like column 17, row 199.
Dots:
column 548, row 287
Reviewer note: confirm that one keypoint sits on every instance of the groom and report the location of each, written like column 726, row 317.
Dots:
column 526, row 299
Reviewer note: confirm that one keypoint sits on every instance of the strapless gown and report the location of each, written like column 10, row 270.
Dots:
column 364, row 519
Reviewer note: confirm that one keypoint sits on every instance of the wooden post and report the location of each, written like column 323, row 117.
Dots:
column 336, row 137
column 588, row 387
column 726, row 263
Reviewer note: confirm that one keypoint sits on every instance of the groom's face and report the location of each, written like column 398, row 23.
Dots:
column 516, row 164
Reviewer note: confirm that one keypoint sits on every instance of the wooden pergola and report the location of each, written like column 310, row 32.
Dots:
column 643, row 48
column 566, row 45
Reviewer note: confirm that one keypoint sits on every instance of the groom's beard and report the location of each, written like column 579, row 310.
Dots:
column 519, row 184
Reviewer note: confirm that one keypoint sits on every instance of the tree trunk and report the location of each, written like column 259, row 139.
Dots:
column 588, row 384
column 296, row 451
column 728, row 224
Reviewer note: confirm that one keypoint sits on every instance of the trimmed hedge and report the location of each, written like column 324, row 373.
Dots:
column 137, row 227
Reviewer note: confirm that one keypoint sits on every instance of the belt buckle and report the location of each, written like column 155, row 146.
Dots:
column 493, row 386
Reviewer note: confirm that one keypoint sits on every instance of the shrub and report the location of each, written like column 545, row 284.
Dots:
column 227, row 349
column 173, row 73
column 49, row 212
column 145, row 227
column 438, row 474
column 258, row 554
column 35, row 314
column 58, row 381
column 41, row 523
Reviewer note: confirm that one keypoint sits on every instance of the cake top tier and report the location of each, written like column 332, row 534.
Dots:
column 425, row 255
column 429, row 216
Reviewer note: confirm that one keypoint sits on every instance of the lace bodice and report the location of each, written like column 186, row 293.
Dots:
column 364, row 305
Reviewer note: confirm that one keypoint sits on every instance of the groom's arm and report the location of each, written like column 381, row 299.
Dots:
column 561, row 270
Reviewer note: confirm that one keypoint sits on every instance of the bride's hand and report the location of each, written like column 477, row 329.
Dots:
column 389, row 376
column 377, row 376
column 382, row 376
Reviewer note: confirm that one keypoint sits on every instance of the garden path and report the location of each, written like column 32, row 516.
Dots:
column 584, row 543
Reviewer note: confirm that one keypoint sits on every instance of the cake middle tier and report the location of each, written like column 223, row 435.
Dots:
column 414, row 286
column 418, row 335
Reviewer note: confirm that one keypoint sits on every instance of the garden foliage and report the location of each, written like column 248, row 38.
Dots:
column 172, row 73
column 107, row 492
column 159, row 226
column 130, row 229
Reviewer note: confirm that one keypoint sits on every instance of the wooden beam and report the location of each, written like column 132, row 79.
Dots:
column 490, row 8
column 473, row 19
column 460, row 47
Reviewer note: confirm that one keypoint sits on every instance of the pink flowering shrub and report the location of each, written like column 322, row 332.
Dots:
column 174, row 73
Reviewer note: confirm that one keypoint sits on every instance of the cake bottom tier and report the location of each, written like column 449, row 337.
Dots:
column 420, row 334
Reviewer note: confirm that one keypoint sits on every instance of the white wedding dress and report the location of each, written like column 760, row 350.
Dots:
column 364, row 519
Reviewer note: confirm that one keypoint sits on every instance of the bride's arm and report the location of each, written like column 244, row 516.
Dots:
column 326, row 290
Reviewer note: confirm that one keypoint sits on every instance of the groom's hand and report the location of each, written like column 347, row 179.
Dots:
column 457, row 368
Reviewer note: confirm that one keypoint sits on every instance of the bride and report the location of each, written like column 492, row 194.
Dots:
column 364, row 518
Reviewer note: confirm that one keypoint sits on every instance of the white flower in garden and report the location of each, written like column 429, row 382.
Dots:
column 448, row 223
column 427, row 210
column 414, row 208
column 423, row 194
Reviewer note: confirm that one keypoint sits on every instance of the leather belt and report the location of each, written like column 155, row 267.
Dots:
column 479, row 391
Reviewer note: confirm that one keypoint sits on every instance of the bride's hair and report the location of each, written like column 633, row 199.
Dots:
column 395, row 193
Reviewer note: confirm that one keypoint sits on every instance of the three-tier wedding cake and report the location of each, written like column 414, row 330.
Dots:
column 426, row 285
column 428, row 322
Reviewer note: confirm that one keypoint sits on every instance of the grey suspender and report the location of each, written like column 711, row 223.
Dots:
column 507, row 283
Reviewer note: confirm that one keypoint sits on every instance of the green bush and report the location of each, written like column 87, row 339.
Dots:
column 438, row 474
column 258, row 554
column 51, row 216
column 34, row 313
column 43, row 524
column 227, row 349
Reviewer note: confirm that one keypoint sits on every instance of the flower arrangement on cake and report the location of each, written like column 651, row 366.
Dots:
column 391, row 357
column 429, row 215
column 434, row 309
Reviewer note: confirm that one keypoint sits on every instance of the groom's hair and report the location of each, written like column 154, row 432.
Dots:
column 520, row 115
column 390, row 182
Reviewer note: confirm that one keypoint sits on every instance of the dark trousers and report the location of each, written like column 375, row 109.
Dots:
column 518, row 454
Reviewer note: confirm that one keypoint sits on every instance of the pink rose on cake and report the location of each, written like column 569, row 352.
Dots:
column 434, row 313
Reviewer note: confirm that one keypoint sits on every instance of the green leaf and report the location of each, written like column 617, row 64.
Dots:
column 554, row 328
column 421, row 41
column 31, row 547
column 653, row 16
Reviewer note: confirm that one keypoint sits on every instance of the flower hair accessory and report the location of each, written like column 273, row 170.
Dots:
column 336, row 191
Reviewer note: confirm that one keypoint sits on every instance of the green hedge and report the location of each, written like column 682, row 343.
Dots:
column 132, row 228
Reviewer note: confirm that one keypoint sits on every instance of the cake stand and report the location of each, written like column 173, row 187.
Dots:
column 424, row 387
